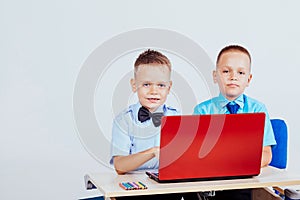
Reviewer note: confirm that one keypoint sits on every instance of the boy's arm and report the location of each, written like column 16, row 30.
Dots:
column 124, row 164
column 269, row 139
column 266, row 156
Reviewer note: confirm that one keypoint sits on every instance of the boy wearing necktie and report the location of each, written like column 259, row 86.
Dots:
column 233, row 75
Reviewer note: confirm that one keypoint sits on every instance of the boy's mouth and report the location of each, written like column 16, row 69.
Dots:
column 153, row 99
column 232, row 85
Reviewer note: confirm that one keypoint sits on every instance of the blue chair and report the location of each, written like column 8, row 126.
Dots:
column 279, row 151
column 279, row 156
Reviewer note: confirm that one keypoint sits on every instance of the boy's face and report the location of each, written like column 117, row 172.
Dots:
column 233, row 74
column 152, row 84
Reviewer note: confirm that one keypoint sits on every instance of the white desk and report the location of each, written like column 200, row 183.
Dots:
column 108, row 183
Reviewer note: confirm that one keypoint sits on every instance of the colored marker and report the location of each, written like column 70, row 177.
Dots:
column 122, row 186
column 140, row 185
column 136, row 185
column 132, row 187
column 128, row 187
column 144, row 186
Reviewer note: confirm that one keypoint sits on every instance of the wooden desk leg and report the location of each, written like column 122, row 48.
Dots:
column 264, row 194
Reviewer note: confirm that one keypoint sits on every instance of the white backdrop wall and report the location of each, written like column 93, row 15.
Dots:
column 43, row 45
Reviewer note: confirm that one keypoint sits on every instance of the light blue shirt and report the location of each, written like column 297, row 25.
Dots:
column 217, row 105
column 130, row 136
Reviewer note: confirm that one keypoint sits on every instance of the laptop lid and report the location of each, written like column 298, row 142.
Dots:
column 218, row 146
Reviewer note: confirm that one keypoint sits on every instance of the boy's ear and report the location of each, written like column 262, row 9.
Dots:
column 170, row 86
column 249, row 79
column 215, row 76
column 133, row 85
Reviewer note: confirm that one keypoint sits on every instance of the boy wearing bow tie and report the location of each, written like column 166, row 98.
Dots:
column 233, row 75
column 136, row 130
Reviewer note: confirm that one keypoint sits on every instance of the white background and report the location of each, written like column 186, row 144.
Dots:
column 43, row 45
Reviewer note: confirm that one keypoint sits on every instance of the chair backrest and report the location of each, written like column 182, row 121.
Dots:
column 279, row 151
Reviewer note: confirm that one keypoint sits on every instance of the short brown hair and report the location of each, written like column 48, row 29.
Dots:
column 152, row 57
column 232, row 48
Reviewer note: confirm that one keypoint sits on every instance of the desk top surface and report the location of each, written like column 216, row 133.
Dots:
column 108, row 183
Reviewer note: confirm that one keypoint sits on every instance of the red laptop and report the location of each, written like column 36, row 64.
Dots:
column 203, row 147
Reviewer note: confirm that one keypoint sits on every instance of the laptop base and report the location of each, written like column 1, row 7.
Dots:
column 154, row 176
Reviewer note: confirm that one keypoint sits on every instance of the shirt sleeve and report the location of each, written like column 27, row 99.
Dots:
column 203, row 108
column 269, row 138
column 197, row 110
column 121, row 143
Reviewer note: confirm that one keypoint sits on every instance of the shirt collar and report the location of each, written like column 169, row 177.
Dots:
column 223, row 101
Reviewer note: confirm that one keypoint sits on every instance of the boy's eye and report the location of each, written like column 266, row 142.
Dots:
column 225, row 71
column 146, row 84
column 241, row 73
column 161, row 85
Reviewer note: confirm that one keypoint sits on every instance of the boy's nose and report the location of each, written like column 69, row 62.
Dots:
column 153, row 89
column 233, row 76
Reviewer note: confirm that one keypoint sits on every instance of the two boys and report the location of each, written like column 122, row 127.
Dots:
column 135, row 137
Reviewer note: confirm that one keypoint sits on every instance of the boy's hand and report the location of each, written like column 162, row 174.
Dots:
column 156, row 152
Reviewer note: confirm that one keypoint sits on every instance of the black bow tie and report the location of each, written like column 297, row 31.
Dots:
column 144, row 114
